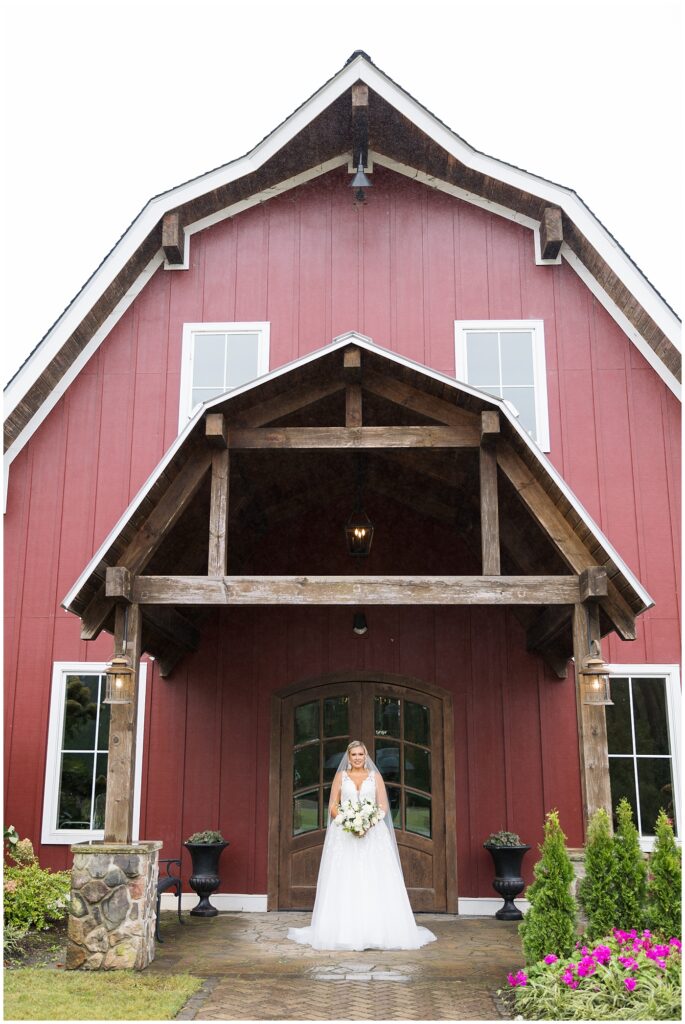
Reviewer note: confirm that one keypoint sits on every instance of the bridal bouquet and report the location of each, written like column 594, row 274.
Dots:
column 358, row 816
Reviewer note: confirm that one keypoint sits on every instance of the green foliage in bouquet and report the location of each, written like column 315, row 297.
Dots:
column 664, row 897
column 550, row 924
column 631, row 871
column 597, row 890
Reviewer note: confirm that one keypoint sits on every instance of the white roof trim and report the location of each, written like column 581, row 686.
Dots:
column 364, row 342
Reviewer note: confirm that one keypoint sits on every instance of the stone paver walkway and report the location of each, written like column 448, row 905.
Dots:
column 254, row 973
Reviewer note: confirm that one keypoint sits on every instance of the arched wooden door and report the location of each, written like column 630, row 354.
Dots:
column 408, row 730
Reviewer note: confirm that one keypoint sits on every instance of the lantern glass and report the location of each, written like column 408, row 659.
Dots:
column 119, row 687
column 596, row 683
column 359, row 534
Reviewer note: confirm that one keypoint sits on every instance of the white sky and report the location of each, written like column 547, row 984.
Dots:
column 109, row 103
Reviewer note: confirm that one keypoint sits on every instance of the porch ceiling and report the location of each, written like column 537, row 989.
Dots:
column 282, row 491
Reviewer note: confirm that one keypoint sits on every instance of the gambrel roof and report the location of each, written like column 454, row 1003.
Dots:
column 319, row 136
column 544, row 531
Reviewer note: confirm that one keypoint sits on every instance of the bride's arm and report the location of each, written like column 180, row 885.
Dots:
column 334, row 802
column 381, row 794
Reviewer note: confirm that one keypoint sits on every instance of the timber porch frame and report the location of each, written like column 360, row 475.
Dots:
column 466, row 462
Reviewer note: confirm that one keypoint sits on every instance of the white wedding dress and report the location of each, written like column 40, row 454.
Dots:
column 361, row 900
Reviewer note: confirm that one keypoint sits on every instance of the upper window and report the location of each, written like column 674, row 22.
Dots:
column 76, row 765
column 507, row 359
column 218, row 357
column 641, row 737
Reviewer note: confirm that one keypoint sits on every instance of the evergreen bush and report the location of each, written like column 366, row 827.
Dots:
column 597, row 890
column 631, row 871
column 664, row 898
column 550, row 924
column 35, row 896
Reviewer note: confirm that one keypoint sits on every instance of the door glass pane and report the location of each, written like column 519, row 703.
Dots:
column 388, row 760
column 80, row 712
column 523, row 399
column 418, row 814
column 417, row 723
column 306, row 813
column 306, row 766
column 651, row 720
column 76, row 786
column 656, row 790
column 619, row 737
column 622, row 782
column 417, row 768
column 103, row 721
column 482, row 359
column 394, row 800
column 335, row 716
column 324, row 808
column 333, row 751
column 516, row 353
column 209, row 361
column 307, row 722
column 242, row 359
column 386, row 714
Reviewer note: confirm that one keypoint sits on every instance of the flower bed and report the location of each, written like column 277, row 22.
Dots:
column 626, row 976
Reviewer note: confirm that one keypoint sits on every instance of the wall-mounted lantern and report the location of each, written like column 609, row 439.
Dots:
column 595, row 678
column 359, row 533
column 120, row 682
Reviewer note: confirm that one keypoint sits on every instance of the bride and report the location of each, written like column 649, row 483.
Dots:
column 361, row 900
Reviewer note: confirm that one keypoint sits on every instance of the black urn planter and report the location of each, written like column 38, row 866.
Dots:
column 508, row 881
column 205, row 877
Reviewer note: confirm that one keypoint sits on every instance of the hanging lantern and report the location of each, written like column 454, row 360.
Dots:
column 359, row 533
column 595, row 678
column 120, row 684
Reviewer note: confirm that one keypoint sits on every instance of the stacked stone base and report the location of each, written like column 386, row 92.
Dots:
column 113, row 906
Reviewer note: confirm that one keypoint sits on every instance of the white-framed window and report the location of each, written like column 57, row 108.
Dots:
column 643, row 743
column 506, row 358
column 76, row 763
column 218, row 357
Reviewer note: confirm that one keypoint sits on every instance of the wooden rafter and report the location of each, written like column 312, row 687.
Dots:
column 355, row 437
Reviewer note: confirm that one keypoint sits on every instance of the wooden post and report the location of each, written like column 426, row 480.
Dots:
column 489, row 512
column 592, row 727
column 121, row 759
column 217, row 562
column 353, row 405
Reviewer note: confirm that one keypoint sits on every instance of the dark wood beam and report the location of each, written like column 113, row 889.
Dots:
column 216, row 430
column 353, row 405
column 489, row 505
column 289, row 402
column 419, row 401
column 173, row 627
column 355, row 437
column 119, row 583
column 551, row 233
column 173, row 237
column 360, row 124
column 121, row 759
column 594, row 583
column 217, row 558
column 547, row 626
column 321, row 590
column 165, row 514
column 352, row 364
column 592, row 728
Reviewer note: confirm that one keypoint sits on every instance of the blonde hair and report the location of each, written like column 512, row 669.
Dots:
column 352, row 745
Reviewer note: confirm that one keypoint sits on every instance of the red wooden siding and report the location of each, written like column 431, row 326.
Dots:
column 401, row 269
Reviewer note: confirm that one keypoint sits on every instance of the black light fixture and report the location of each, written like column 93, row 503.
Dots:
column 359, row 625
column 359, row 528
column 360, row 181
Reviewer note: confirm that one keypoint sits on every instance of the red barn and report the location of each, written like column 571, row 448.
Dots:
column 462, row 357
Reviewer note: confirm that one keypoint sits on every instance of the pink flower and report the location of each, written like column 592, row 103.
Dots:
column 568, row 979
column 551, row 958
column 602, row 954
column 675, row 943
column 662, row 950
column 629, row 983
column 586, row 966
column 520, row 978
column 629, row 963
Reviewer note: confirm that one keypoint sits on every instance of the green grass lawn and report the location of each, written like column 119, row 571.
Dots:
column 32, row 993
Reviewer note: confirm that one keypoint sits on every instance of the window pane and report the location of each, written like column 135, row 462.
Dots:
column 651, row 720
column 622, row 783
column 76, row 784
column 418, row 814
column 482, row 358
column 333, row 751
column 388, row 760
column 80, row 712
column 516, row 353
column 619, row 736
column 103, row 722
column 306, row 813
column 200, row 395
column 307, row 722
column 100, row 790
column 417, row 768
column 524, row 401
column 656, row 790
column 335, row 716
column 209, row 360
column 242, row 359
column 386, row 712
column 306, row 766
column 394, row 801
column 416, row 723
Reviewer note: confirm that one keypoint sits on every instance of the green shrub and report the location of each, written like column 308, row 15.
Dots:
column 664, row 898
column 597, row 890
column 12, row 936
column 34, row 896
column 208, row 837
column 550, row 924
column 631, row 871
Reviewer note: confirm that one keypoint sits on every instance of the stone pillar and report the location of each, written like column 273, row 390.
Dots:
column 113, row 905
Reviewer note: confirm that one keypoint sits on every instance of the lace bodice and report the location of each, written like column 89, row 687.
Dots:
column 348, row 790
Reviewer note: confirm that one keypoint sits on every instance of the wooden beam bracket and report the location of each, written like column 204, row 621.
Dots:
column 173, row 238
column 551, row 233
column 119, row 583
column 594, row 583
